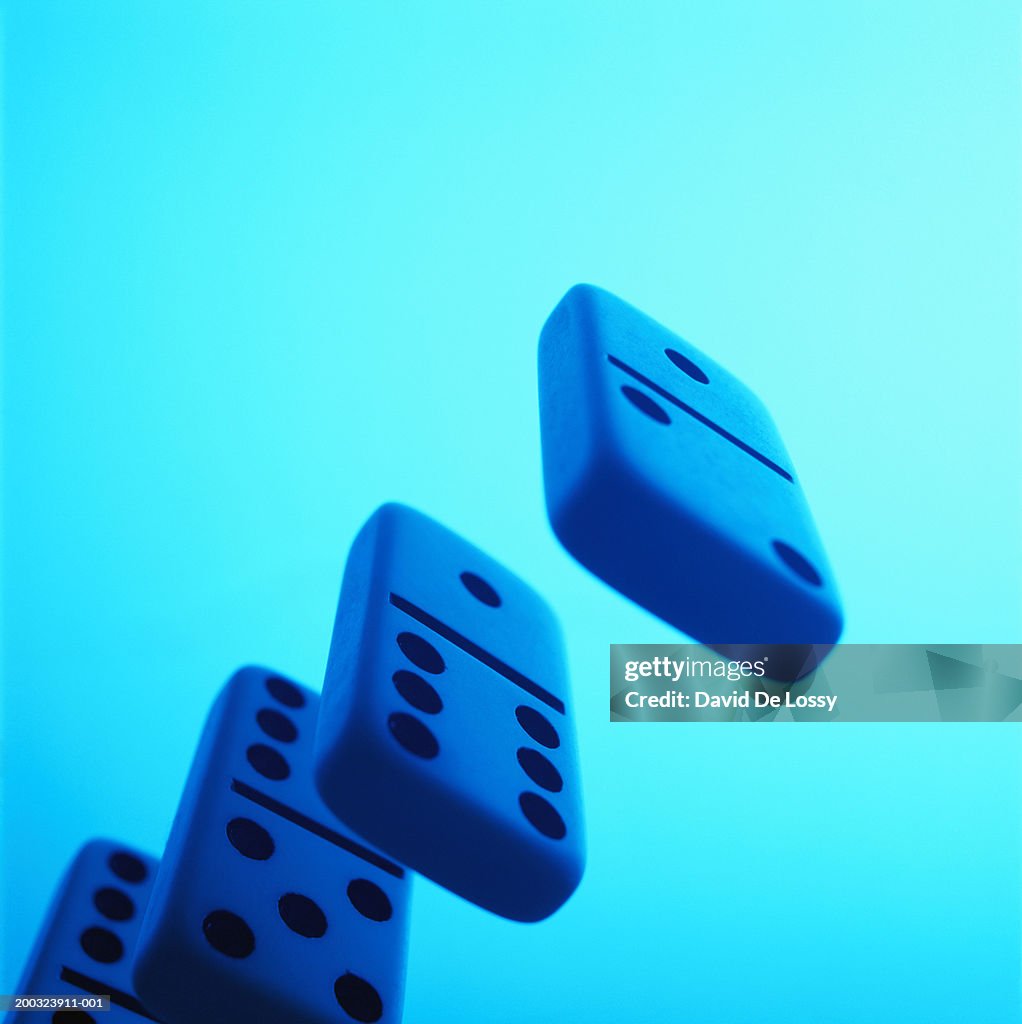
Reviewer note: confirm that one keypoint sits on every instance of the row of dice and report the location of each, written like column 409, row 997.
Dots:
column 284, row 887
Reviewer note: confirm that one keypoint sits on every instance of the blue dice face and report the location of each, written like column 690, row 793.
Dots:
column 665, row 476
column 87, row 942
column 446, row 696
column 266, row 908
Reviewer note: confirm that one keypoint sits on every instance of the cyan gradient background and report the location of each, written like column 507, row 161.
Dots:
column 268, row 265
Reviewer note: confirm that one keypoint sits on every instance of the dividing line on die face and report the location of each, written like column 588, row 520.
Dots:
column 696, row 415
column 315, row 828
column 473, row 650
column 124, row 1000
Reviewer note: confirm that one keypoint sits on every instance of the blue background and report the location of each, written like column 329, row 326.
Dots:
column 268, row 265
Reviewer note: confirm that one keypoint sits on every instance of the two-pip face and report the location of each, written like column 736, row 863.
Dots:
column 445, row 735
column 666, row 477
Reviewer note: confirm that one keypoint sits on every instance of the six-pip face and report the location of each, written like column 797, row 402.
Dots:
column 446, row 696
column 265, row 907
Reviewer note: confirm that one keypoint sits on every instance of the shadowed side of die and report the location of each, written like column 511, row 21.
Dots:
column 665, row 477
column 446, row 695
column 87, row 941
column 266, row 907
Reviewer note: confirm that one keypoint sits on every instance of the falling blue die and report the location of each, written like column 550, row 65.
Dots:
column 665, row 476
column 446, row 696
column 85, row 945
column 265, row 908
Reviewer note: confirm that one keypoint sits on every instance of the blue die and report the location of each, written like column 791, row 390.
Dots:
column 446, row 697
column 665, row 476
column 85, row 945
column 265, row 909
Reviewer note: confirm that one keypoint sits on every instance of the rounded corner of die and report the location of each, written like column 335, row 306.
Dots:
column 246, row 677
column 573, row 304
column 389, row 512
column 579, row 293
column 97, row 847
column 541, row 904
